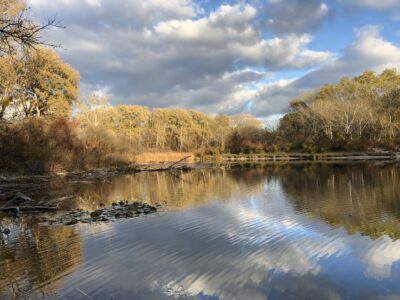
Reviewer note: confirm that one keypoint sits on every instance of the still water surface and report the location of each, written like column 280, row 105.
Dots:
column 312, row 231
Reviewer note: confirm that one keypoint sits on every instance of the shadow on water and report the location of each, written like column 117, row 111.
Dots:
column 301, row 231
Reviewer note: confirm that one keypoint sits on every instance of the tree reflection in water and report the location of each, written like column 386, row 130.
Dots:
column 174, row 190
column 34, row 256
column 361, row 198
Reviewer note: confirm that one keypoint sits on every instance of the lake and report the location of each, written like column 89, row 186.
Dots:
column 283, row 231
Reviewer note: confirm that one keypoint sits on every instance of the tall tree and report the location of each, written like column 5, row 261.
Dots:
column 49, row 87
column 222, row 128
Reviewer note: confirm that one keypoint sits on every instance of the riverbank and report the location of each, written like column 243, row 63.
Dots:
column 185, row 163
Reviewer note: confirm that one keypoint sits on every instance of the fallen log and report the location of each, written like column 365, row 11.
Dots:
column 11, row 210
column 177, row 162
column 57, row 200
column 158, row 168
column 17, row 199
column 28, row 209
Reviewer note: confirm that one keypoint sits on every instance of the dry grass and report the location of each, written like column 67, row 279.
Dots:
column 157, row 157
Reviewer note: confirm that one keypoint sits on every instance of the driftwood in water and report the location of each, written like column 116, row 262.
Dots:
column 17, row 199
column 169, row 168
column 27, row 209
column 177, row 162
column 156, row 168
column 58, row 200
column 11, row 210
column 21, row 203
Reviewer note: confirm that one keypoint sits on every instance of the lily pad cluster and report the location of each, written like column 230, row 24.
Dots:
column 103, row 214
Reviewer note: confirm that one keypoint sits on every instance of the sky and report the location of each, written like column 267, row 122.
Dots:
column 245, row 56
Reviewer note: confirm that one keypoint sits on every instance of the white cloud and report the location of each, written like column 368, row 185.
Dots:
column 229, row 32
column 369, row 51
column 117, row 13
column 171, row 53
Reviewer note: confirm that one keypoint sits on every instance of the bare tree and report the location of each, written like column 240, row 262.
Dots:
column 18, row 30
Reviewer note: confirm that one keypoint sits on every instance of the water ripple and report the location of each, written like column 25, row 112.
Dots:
column 275, row 235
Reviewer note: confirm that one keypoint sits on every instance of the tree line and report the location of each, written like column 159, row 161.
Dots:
column 358, row 113
column 170, row 128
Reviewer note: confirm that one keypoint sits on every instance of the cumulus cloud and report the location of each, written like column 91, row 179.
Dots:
column 369, row 51
column 103, row 13
column 172, row 53
column 296, row 16
column 176, row 54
